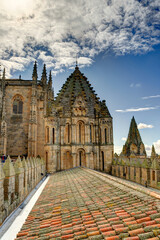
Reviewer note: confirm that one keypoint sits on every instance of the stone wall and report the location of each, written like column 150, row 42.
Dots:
column 17, row 179
column 144, row 171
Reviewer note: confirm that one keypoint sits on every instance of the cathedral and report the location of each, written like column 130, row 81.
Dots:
column 70, row 130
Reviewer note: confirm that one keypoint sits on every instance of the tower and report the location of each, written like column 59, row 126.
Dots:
column 134, row 144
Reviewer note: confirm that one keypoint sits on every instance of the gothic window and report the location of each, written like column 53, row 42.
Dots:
column 105, row 135
column 47, row 134
column 17, row 106
column 134, row 171
column 68, row 133
column 81, row 132
column 53, row 135
column 91, row 133
column 100, row 136
column 153, row 176
column 102, row 161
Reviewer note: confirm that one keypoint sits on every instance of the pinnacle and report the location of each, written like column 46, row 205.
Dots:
column 35, row 75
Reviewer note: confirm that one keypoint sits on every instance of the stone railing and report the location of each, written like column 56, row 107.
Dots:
column 17, row 179
column 143, row 171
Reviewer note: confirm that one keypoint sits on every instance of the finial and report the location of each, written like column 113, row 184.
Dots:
column 35, row 75
column 44, row 75
column 50, row 79
column 76, row 60
column 4, row 73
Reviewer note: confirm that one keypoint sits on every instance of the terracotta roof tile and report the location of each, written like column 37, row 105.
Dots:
column 77, row 204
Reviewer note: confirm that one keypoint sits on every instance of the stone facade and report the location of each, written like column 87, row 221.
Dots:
column 73, row 129
column 133, row 164
column 17, row 181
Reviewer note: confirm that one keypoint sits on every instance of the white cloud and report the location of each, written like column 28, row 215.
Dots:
column 157, row 146
column 143, row 125
column 123, row 138
column 118, row 149
column 62, row 29
column 148, row 97
column 136, row 109
column 135, row 85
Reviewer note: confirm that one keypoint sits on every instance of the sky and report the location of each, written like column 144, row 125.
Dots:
column 117, row 46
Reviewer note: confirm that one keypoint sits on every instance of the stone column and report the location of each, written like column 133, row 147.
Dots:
column 19, row 179
column 1, row 194
column 9, row 185
column 25, row 167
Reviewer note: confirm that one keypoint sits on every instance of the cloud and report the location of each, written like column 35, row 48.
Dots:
column 135, row 85
column 157, row 146
column 56, row 31
column 148, row 97
column 143, row 126
column 137, row 109
column 118, row 149
column 123, row 138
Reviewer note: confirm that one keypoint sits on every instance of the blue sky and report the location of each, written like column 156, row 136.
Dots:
column 118, row 47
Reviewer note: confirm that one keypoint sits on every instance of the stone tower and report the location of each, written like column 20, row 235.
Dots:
column 134, row 144
column 78, row 128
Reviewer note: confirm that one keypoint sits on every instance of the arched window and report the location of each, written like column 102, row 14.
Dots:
column 100, row 136
column 153, row 176
column 91, row 133
column 53, row 135
column 102, row 160
column 67, row 133
column 17, row 106
column 47, row 134
column 80, row 132
column 105, row 135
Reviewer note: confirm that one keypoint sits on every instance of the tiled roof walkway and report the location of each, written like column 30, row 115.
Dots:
column 79, row 204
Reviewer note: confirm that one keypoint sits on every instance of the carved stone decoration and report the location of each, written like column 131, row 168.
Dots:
column 79, row 108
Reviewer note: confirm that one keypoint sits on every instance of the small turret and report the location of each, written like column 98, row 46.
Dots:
column 50, row 89
column 44, row 76
column 35, row 75
column 134, row 144
column 50, row 81
column 153, row 153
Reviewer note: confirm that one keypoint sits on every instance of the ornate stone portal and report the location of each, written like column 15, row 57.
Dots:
column 74, row 129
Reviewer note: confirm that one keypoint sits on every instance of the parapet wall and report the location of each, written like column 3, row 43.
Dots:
column 17, row 179
column 144, row 171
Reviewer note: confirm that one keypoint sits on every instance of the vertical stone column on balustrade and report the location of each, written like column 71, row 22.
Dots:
column 145, row 172
column 39, row 164
column 38, row 170
column 2, row 176
column 32, row 173
column 43, row 166
column 19, row 179
column 9, row 186
column 35, row 170
column 29, row 183
column 25, row 167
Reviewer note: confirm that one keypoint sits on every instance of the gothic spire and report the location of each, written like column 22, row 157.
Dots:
column 50, row 80
column 134, row 144
column 44, row 75
column 134, row 135
column 35, row 75
column 153, row 153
